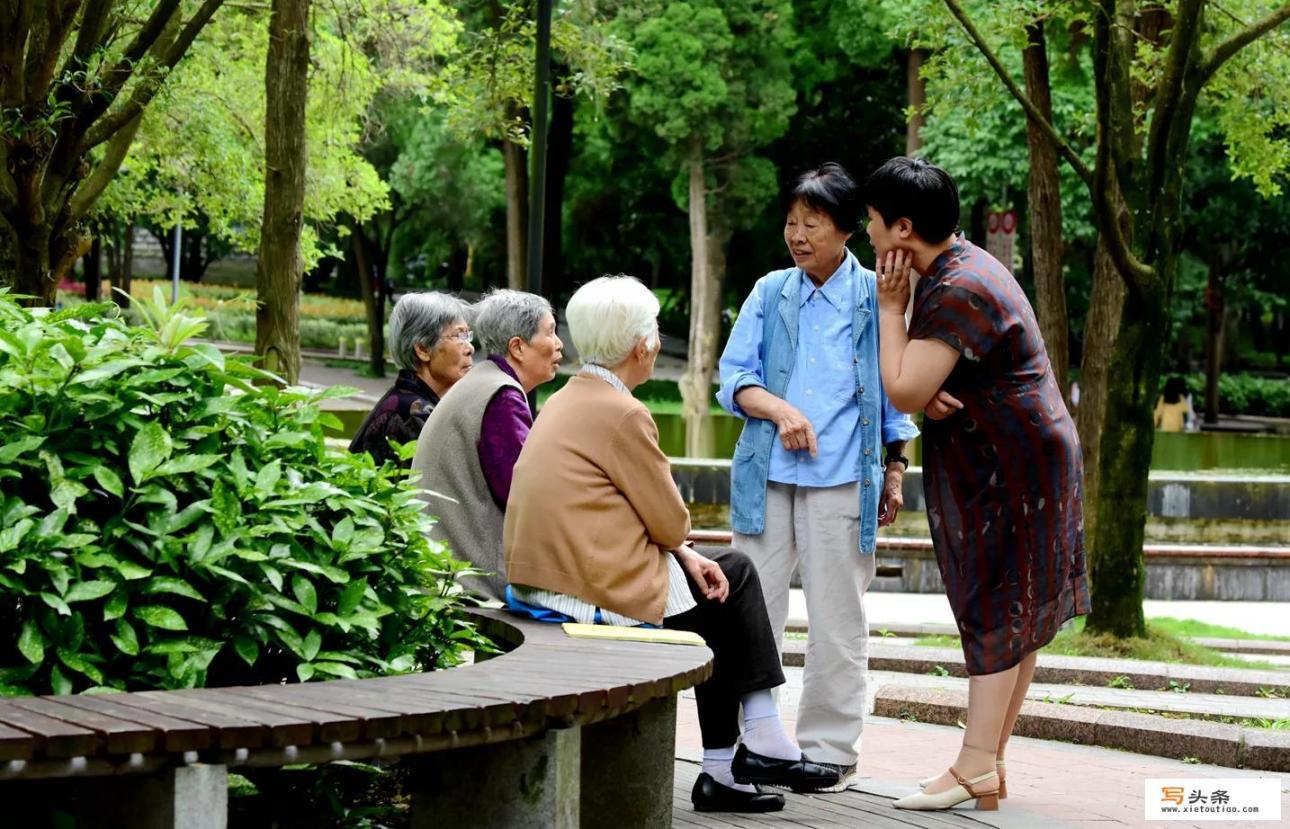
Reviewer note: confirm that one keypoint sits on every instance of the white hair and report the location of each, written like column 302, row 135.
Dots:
column 608, row 316
column 503, row 314
column 421, row 319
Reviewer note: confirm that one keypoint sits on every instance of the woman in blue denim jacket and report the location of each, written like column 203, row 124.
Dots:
column 819, row 465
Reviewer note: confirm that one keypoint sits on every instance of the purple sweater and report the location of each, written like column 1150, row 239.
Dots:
column 505, row 426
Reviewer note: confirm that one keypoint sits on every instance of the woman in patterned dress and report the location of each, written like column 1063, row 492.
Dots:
column 1002, row 469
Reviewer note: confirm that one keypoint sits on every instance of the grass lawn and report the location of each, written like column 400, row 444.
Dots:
column 1193, row 629
column 1163, row 643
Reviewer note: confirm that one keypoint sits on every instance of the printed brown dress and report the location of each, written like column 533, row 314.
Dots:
column 1003, row 477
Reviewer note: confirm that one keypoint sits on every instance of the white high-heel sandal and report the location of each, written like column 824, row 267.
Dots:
column 987, row 799
column 998, row 767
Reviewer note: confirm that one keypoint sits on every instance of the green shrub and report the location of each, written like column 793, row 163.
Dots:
column 166, row 523
column 1245, row 394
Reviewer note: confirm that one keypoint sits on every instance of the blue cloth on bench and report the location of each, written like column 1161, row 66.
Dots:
column 538, row 613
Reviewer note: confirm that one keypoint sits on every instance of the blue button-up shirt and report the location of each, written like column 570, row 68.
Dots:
column 823, row 385
column 772, row 345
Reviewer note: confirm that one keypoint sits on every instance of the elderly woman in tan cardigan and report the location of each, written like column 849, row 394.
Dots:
column 596, row 530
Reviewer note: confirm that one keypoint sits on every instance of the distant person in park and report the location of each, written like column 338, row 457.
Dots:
column 820, row 463
column 467, row 450
column 429, row 339
column 596, row 531
column 1002, row 469
column 1173, row 410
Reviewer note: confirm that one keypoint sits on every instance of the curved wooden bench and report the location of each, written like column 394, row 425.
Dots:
column 554, row 732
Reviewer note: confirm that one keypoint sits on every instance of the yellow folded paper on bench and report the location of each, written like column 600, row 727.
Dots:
column 670, row 637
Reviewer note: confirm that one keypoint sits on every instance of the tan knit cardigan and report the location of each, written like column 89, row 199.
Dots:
column 593, row 508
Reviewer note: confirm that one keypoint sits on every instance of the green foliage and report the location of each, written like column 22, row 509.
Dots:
column 714, row 82
column 166, row 523
column 490, row 83
column 1245, row 394
column 200, row 147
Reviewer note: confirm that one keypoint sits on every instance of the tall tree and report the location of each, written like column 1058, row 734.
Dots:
column 493, row 89
column 280, row 267
column 75, row 76
column 1136, row 183
column 1044, row 209
column 714, row 81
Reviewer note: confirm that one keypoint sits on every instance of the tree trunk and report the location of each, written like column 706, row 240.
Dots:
column 195, row 263
column 707, row 249
column 369, row 283
column 1045, row 213
column 515, row 158
column 1106, row 305
column 280, row 269
column 916, row 93
column 1117, row 568
column 1215, row 312
column 93, row 263
column 33, row 275
column 113, row 255
column 127, row 266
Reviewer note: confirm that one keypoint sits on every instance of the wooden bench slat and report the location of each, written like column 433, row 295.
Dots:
column 176, row 735
column 330, row 726
column 16, row 744
column 284, row 729
column 54, row 737
column 230, row 731
column 373, row 723
column 437, row 713
column 119, row 736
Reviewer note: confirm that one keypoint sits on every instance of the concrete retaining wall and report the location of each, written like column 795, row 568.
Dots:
column 1171, row 495
column 1239, row 502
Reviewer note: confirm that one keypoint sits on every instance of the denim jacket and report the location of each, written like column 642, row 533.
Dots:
column 762, row 351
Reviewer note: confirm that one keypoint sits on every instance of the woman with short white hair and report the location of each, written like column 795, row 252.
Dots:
column 596, row 532
column 430, row 343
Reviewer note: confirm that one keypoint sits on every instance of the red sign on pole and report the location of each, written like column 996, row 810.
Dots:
column 1001, row 236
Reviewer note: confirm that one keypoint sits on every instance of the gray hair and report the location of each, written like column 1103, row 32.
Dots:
column 420, row 319
column 503, row 314
column 608, row 316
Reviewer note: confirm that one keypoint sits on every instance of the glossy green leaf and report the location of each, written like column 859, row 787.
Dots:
column 159, row 616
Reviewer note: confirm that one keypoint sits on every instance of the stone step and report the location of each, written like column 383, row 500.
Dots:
column 1077, row 670
column 1217, row 743
column 1246, row 656
column 1211, row 707
column 1273, row 647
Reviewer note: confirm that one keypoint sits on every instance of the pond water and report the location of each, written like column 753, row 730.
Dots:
column 1179, row 452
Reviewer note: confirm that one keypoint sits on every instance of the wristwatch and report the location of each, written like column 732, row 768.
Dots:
column 900, row 459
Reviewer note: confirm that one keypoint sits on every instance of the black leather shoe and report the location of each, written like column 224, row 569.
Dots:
column 751, row 767
column 711, row 796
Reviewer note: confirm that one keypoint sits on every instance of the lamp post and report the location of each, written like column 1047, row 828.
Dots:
column 174, row 262
column 537, row 179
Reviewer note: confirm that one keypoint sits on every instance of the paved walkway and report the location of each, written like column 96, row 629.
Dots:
column 1050, row 784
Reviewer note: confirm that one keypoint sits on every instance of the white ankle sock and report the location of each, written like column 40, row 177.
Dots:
column 716, row 762
column 763, row 731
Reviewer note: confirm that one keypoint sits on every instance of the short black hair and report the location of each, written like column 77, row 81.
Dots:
column 831, row 190
column 918, row 190
column 1175, row 389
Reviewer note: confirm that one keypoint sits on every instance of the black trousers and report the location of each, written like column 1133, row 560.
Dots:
column 738, row 631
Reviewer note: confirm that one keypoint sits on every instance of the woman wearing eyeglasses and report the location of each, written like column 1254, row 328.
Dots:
column 430, row 343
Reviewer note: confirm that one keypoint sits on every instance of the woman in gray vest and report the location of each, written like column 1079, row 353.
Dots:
column 468, row 448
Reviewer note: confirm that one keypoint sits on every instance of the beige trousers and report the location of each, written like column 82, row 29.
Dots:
column 817, row 530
